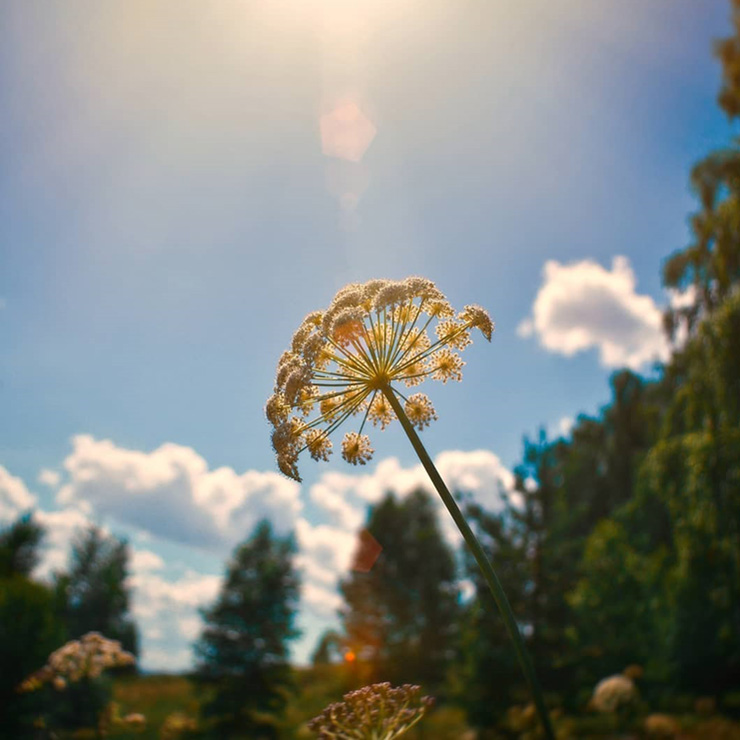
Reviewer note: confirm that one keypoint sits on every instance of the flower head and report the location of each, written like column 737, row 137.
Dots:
column 612, row 693
column 347, row 360
column 87, row 657
column 378, row 711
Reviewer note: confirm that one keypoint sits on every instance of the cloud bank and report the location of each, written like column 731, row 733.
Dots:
column 171, row 492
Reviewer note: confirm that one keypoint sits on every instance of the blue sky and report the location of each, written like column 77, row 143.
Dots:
column 172, row 206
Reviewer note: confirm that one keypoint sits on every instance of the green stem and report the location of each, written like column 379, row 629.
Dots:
column 486, row 568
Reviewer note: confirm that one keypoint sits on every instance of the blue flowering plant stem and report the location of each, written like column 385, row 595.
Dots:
column 350, row 362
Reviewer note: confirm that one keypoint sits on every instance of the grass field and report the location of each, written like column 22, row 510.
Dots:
column 160, row 697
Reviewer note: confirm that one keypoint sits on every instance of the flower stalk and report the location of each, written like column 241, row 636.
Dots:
column 485, row 566
column 349, row 361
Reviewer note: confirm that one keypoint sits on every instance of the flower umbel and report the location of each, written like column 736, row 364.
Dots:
column 377, row 712
column 344, row 361
column 87, row 657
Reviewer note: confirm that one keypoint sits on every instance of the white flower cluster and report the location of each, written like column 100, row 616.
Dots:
column 351, row 358
column 87, row 657
column 380, row 712
column 613, row 693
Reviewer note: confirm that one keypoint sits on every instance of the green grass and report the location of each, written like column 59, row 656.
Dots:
column 157, row 697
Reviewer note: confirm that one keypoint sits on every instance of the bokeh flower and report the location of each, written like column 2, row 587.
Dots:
column 87, row 657
column 376, row 712
column 613, row 693
column 373, row 339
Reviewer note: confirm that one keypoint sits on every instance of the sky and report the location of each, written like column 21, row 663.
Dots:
column 181, row 182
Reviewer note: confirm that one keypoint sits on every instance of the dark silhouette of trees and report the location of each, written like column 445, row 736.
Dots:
column 400, row 618
column 93, row 595
column 29, row 626
column 243, row 649
column 19, row 547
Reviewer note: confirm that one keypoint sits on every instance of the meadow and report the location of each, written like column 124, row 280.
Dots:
column 161, row 696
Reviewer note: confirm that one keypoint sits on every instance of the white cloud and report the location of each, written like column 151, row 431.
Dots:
column 171, row 493
column 479, row 473
column 325, row 552
column 143, row 561
column 324, row 602
column 167, row 613
column 60, row 529
column 155, row 595
column 327, row 493
column 15, row 498
column 49, row 478
column 583, row 305
column 564, row 426
column 190, row 627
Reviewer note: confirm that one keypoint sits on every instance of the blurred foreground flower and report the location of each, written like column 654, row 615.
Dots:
column 661, row 727
column 176, row 725
column 87, row 657
column 613, row 693
column 377, row 712
column 350, row 360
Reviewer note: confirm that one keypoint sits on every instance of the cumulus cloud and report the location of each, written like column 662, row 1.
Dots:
column 145, row 561
column 324, row 602
column 15, row 498
column 49, row 478
column 171, row 492
column 582, row 305
column 167, row 612
column 478, row 473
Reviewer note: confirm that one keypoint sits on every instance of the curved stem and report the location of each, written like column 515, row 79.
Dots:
column 486, row 568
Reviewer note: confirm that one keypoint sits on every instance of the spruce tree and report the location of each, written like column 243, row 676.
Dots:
column 243, row 649
column 93, row 594
column 400, row 618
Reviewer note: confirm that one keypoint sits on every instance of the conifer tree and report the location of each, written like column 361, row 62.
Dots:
column 93, row 594
column 400, row 618
column 243, row 649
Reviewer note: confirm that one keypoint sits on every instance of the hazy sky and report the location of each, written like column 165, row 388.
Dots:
column 180, row 182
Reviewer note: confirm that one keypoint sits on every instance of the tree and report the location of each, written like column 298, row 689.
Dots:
column 19, row 547
column 400, row 618
column 328, row 649
column 29, row 626
column 487, row 676
column 93, row 594
column 243, row 649
column 710, row 266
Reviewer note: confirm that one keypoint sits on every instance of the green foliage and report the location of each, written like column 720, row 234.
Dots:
column 614, row 614
column 93, row 594
column 243, row 650
column 728, row 51
column 19, row 547
column 29, row 631
column 487, row 678
column 401, row 617
column 328, row 649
